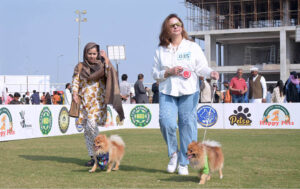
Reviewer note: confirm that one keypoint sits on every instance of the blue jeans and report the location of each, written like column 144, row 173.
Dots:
column 183, row 108
column 238, row 98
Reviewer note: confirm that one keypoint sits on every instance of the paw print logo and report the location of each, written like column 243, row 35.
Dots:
column 241, row 117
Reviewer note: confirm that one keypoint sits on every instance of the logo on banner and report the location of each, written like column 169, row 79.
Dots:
column 276, row 115
column 63, row 120
column 78, row 126
column 109, row 118
column 45, row 121
column 6, row 123
column 241, row 117
column 140, row 116
column 207, row 116
column 23, row 121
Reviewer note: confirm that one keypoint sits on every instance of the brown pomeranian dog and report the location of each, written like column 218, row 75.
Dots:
column 207, row 157
column 108, row 152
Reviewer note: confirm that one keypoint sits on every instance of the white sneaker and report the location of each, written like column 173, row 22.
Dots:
column 183, row 170
column 172, row 163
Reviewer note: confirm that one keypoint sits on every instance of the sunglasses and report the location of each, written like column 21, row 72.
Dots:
column 178, row 24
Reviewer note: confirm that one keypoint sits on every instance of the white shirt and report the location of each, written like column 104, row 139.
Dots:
column 125, row 91
column 68, row 97
column 263, row 84
column 188, row 55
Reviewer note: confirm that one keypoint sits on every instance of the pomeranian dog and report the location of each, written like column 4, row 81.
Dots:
column 108, row 152
column 206, row 157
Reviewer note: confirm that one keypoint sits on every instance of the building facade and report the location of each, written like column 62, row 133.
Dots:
column 243, row 33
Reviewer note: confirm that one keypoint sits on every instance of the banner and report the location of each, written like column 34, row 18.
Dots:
column 33, row 121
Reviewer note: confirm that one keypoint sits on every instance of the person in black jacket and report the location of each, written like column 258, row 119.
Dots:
column 155, row 90
column 292, row 88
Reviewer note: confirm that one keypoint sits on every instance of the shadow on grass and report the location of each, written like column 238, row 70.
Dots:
column 179, row 178
column 54, row 158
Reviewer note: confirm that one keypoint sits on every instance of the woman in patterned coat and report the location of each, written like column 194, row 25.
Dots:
column 89, row 85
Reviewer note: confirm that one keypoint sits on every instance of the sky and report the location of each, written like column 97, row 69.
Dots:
column 40, row 37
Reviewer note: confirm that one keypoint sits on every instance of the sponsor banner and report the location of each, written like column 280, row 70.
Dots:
column 210, row 116
column 32, row 121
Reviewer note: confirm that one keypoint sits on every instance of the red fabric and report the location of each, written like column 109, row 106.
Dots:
column 237, row 83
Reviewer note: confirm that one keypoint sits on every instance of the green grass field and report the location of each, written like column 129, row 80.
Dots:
column 253, row 159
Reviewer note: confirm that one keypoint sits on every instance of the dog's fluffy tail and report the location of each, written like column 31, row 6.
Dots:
column 212, row 143
column 117, row 139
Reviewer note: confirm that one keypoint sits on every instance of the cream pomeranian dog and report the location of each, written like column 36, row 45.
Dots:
column 108, row 152
column 207, row 157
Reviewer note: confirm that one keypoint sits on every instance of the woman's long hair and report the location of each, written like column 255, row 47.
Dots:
column 280, row 86
column 164, row 36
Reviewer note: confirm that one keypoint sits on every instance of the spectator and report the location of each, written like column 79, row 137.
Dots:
column 292, row 88
column 269, row 93
column 0, row 100
column 16, row 99
column 27, row 98
column 205, row 90
column 140, row 91
column 43, row 98
column 22, row 100
column 68, row 94
column 35, row 97
column 277, row 95
column 56, row 98
column 226, row 93
column 257, row 87
column 9, row 98
column 48, row 98
column 218, row 96
column 238, row 87
column 125, row 90
column 155, row 90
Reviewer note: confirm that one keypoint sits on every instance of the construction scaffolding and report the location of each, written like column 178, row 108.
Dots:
column 205, row 15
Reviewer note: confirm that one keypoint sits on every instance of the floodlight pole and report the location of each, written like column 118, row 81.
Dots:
column 79, row 20
column 117, row 63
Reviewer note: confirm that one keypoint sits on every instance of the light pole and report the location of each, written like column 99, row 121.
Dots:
column 79, row 20
column 58, row 67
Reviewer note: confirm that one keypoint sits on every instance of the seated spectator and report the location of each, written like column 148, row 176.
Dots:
column 16, row 99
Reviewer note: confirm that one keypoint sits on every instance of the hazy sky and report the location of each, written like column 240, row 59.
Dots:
column 39, row 37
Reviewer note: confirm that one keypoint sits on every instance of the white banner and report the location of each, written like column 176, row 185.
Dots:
column 32, row 121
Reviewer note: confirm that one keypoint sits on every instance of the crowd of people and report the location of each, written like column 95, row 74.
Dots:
column 254, row 90
column 56, row 98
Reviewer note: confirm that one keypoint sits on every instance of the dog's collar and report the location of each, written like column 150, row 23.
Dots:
column 102, row 160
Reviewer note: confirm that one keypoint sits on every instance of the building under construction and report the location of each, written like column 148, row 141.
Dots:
column 243, row 33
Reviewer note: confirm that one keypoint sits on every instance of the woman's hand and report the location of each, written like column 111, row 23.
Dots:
column 76, row 98
column 173, row 71
column 103, row 54
column 214, row 75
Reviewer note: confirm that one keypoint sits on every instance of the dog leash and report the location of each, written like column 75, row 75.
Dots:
column 211, row 102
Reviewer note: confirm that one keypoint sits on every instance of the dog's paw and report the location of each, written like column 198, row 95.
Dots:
column 202, row 182
column 108, row 170
column 221, row 176
column 91, row 171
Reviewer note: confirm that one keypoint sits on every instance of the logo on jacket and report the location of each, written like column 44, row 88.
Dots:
column 6, row 123
column 184, row 56
column 207, row 116
column 63, row 120
column 276, row 115
column 140, row 116
column 45, row 121
column 241, row 117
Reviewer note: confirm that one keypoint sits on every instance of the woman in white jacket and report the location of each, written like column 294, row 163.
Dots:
column 178, row 64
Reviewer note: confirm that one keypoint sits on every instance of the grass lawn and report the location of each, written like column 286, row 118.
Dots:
column 253, row 159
